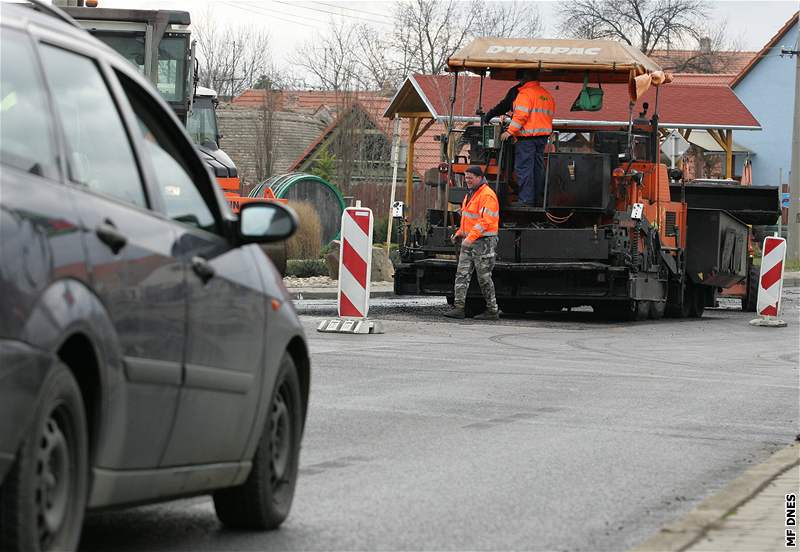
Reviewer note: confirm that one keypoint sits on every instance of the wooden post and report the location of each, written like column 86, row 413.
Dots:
column 729, row 153
column 413, row 126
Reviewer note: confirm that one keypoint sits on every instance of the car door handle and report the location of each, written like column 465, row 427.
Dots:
column 110, row 236
column 202, row 268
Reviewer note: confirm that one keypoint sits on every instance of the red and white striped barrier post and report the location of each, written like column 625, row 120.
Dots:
column 770, row 283
column 355, row 262
column 355, row 267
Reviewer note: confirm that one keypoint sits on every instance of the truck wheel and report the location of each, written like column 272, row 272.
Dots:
column 750, row 300
column 657, row 309
column 43, row 498
column 263, row 501
column 682, row 309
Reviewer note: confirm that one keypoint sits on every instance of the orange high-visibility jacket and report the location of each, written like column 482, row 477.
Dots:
column 480, row 213
column 534, row 108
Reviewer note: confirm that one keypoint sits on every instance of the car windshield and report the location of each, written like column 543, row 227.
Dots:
column 202, row 124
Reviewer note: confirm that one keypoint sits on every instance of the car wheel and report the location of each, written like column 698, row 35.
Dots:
column 44, row 495
column 263, row 501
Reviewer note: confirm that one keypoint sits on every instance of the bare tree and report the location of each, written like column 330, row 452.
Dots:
column 231, row 59
column 509, row 19
column 430, row 31
column 644, row 24
column 332, row 59
column 264, row 147
column 426, row 33
column 714, row 53
column 374, row 58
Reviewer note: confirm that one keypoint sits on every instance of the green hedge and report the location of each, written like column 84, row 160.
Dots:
column 305, row 268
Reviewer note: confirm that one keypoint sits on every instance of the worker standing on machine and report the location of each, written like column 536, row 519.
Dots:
column 531, row 125
column 480, row 220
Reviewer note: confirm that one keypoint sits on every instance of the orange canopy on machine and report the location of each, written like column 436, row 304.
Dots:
column 602, row 61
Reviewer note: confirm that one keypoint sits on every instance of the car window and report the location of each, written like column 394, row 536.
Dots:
column 182, row 198
column 25, row 132
column 99, row 155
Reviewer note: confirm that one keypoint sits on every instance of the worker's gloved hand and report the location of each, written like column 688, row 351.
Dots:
column 505, row 136
column 454, row 239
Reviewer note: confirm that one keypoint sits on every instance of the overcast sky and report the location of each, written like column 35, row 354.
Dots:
column 291, row 23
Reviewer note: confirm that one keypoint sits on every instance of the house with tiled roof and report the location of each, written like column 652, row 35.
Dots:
column 767, row 87
column 347, row 125
column 702, row 61
column 360, row 140
column 245, row 131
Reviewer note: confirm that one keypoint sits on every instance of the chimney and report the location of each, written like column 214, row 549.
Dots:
column 705, row 45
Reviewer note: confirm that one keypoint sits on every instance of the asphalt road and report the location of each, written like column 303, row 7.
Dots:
column 545, row 432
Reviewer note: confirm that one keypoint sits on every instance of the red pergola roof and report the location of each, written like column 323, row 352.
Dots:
column 680, row 106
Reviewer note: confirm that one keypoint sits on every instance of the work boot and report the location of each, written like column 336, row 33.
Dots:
column 488, row 315
column 455, row 313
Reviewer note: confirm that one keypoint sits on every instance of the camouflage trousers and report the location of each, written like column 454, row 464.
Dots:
column 480, row 258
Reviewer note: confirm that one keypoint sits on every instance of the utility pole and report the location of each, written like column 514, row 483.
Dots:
column 793, row 226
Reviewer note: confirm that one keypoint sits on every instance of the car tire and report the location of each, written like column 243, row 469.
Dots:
column 43, row 497
column 263, row 501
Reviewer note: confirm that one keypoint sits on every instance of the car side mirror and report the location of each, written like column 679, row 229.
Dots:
column 266, row 222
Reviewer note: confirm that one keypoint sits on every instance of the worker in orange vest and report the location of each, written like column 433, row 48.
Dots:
column 531, row 126
column 480, row 220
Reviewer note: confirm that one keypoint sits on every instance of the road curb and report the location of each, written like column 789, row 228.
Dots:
column 683, row 533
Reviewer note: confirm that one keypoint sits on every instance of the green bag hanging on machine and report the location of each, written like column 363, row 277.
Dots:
column 589, row 99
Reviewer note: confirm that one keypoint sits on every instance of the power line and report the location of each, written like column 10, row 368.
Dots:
column 354, row 10
column 261, row 9
column 253, row 10
column 298, row 5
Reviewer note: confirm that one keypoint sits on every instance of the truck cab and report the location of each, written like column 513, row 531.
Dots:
column 159, row 44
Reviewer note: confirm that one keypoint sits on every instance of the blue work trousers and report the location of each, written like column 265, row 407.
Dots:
column 529, row 169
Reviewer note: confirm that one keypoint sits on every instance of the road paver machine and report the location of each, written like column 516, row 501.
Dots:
column 617, row 230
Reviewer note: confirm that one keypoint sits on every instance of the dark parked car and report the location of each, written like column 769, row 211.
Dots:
column 148, row 348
